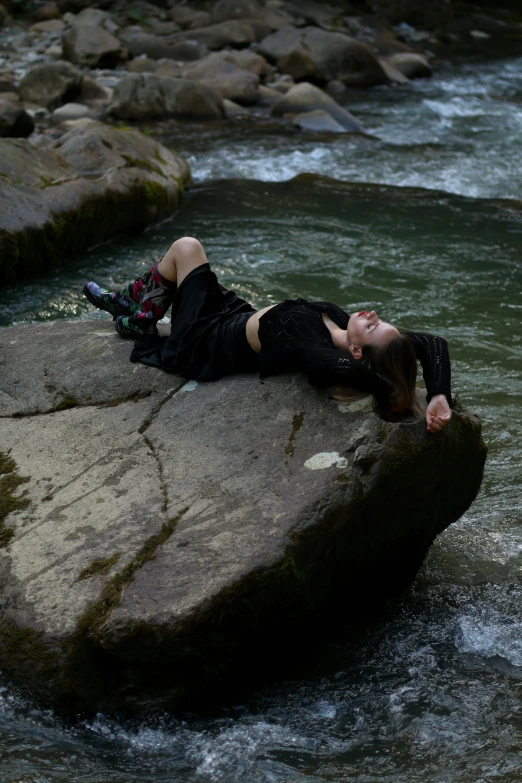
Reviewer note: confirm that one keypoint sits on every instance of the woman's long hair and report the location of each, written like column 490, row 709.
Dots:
column 395, row 361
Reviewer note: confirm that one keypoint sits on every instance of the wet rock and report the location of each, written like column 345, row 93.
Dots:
column 268, row 95
column 143, row 96
column 51, row 84
column 141, row 64
column 332, row 55
column 189, row 18
column 395, row 76
column 70, row 111
column 234, row 109
column 91, row 184
column 88, row 39
column 237, row 33
column 225, row 78
column 304, row 97
column 93, row 91
column 224, row 10
column 249, row 61
column 318, row 120
column 7, row 83
column 15, row 122
column 169, row 68
column 50, row 26
column 162, row 551
column 155, row 48
column 411, row 65
column 298, row 64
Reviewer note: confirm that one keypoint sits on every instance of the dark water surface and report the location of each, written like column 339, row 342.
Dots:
column 431, row 691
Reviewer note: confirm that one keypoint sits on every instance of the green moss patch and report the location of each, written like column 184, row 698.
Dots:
column 99, row 612
column 297, row 423
column 99, row 567
column 9, row 501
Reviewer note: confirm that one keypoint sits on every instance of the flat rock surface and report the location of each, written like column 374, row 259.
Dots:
column 177, row 531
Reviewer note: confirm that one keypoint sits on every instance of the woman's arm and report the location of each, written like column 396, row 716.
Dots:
column 331, row 367
column 433, row 354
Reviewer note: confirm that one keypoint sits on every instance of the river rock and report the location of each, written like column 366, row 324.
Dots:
column 156, row 48
column 189, row 18
column 318, row 120
column 170, row 536
column 50, row 26
column 332, row 55
column 88, row 39
column 225, row 78
column 224, row 10
column 237, row 32
column 47, row 12
column 70, row 111
column 93, row 183
column 15, row 122
column 148, row 95
column 51, row 84
column 411, row 65
column 305, row 97
column 249, row 61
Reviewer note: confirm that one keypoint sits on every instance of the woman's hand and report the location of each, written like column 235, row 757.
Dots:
column 438, row 413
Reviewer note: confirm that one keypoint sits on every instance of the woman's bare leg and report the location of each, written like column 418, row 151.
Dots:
column 182, row 257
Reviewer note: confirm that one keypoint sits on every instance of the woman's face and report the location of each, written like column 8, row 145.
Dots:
column 366, row 328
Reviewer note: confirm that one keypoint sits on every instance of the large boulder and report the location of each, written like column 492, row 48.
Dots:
column 304, row 97
column 170, row 536
column 89, row 39
column 225, row 78
column 51, row 84
column 148, row 95
column 93, row 183
column 331, row 55
column 15, row 123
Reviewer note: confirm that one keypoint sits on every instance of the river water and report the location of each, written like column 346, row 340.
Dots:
column 430, row 689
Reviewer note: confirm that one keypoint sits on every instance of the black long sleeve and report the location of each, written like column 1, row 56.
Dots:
column 331, row 367
column 432, row 352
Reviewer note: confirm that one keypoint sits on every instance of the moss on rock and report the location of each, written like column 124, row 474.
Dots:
column 10, row 481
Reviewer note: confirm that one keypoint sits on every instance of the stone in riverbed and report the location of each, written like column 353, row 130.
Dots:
column 70, row 111
column 181, row 533
column 410, row 64
column 147, row 95
column 225, row 78
column 188, row 18
column 15, row 122
column 318, row 120
column 332, row 55
column 89, row 39
column 92, row 184
column 237, row 33
column 51, row 84
column 306, row 97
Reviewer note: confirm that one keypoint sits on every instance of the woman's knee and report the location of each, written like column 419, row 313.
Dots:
column 187, row 248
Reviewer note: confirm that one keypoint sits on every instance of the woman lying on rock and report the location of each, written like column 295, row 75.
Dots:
column 215, row 333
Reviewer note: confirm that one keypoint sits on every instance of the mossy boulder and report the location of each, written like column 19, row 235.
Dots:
column 171, row 537
column 94, row 183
